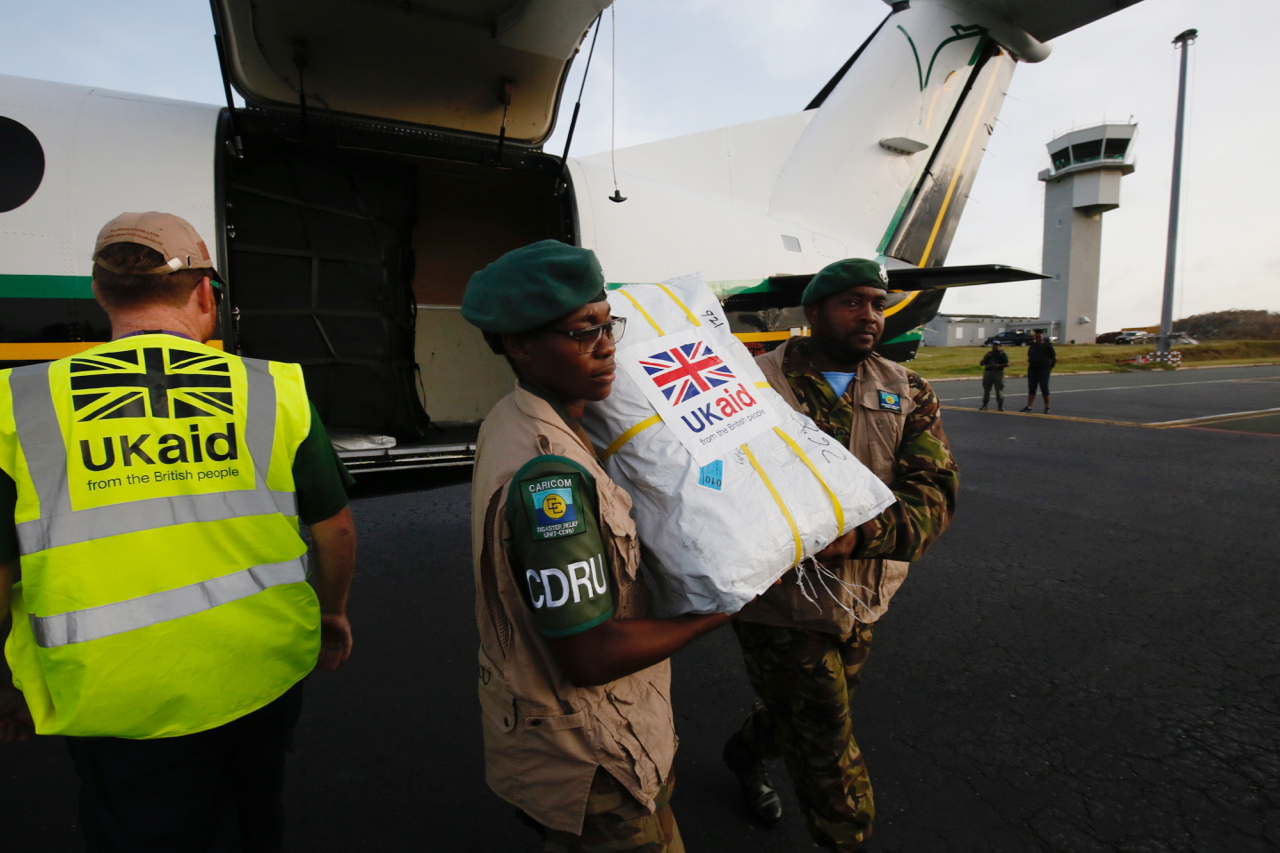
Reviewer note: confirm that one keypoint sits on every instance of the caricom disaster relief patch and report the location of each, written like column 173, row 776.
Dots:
column 553, row 504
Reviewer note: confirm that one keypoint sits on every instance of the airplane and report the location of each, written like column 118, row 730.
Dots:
column 388, row 149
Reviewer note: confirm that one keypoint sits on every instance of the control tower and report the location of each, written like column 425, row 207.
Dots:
column 1081, row 185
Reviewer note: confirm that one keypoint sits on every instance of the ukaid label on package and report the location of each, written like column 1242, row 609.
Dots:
column 697, row 386
column 730, row 486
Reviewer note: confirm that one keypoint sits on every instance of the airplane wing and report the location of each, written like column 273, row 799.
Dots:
column 783, row 291
column 1048, row 19
column 931, row 278
column 1026, row 26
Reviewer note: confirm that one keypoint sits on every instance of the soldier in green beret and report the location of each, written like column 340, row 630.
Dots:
column 574, row 676
column 804, row 652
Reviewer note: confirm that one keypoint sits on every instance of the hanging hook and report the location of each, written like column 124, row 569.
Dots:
column 301, row 59
column 613, row 112
column 505, row 93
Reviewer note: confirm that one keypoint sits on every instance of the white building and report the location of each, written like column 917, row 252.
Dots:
column 971, row 330
column 1081, row 185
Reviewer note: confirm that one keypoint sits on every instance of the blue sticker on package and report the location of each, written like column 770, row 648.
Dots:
column 711, row 475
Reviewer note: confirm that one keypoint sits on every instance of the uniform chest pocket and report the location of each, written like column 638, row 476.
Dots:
column 892, row 400
column 618, row 529
column 497, row 705
column 558, row 722
column 877, row 429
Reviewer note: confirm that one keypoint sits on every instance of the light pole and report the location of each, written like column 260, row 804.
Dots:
column 1184, row 41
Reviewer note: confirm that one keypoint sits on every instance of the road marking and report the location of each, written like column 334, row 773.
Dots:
column 1190, row 423
column 1123, row 387
column 1049, row 417
column 1231, row 431
column 1256, row 413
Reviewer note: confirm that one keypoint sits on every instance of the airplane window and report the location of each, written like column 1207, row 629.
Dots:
column 22, row 167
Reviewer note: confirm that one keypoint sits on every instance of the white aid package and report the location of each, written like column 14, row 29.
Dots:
column 731, row 487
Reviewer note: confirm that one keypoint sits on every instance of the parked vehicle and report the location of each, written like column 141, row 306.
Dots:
column 1010, row 338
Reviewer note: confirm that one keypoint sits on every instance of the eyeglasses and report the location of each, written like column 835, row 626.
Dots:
column 589, row 337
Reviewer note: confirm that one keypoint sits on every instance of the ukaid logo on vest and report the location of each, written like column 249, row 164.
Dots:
column 154, row 420
column 699, row 392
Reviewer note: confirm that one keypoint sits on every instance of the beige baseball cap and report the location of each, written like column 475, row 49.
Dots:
column 171, row 236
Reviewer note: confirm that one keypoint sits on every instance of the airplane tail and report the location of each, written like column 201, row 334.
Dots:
column 881, row 162
column 888, row 160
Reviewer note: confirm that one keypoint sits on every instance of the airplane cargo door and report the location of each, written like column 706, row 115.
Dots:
column 320, row 271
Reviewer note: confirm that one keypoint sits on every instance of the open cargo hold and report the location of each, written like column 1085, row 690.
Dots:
column 348, row 248
column 389, row 151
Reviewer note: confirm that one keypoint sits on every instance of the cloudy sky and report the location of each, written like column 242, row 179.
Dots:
column 690, row 65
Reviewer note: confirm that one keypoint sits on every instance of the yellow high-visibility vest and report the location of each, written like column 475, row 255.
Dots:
column 163, row 581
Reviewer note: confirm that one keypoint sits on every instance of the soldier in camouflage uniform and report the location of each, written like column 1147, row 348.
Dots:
column 805, row 642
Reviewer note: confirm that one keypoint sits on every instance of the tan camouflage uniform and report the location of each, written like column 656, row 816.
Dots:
column 616, row 823
column 805, row 677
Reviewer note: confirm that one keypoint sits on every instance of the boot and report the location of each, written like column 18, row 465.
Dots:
column 982, row 408
column 758, row 795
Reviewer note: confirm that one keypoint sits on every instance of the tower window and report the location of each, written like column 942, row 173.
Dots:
column 1085, row 151
column 1061, row 159
column 1115, row 149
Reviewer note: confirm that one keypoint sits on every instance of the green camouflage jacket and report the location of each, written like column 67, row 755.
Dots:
column 925, row 478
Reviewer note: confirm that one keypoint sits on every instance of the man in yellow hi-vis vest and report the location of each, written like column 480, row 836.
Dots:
column 151, row 490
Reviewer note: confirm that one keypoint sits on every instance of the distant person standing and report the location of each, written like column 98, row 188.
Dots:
column 993, row 365
column 1041, row 360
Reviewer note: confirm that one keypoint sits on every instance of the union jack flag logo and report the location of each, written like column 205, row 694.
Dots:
column 684, row 372
column 154, row 381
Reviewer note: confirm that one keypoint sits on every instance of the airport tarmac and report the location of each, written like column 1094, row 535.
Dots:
column 1086, row 661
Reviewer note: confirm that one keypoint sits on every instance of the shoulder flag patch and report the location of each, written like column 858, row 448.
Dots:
column 890, row 402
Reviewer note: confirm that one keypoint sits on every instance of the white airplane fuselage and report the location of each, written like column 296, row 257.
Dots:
column 879, row 166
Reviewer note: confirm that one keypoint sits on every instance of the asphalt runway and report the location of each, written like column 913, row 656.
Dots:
column 1087, row 660
column 1146, row 397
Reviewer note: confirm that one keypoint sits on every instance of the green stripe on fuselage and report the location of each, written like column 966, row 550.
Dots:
column 913, row 335
column 46, row 287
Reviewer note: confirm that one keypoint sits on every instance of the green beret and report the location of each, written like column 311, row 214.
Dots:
column 842, row 275
column 531, row 287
